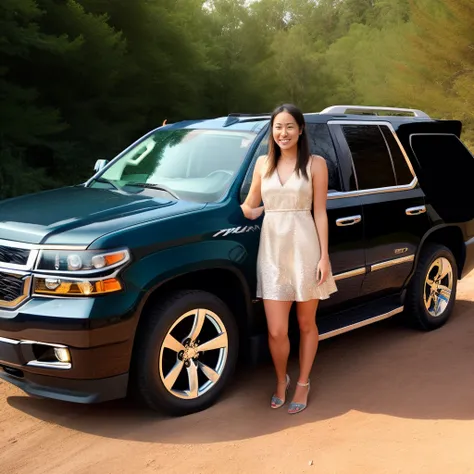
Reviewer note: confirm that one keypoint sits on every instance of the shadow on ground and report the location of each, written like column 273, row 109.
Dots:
column 382, row 369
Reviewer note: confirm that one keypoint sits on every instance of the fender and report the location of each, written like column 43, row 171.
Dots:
column 158, row 269
column 422, row 242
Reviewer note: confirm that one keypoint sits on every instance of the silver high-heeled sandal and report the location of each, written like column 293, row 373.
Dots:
column 278, row 402
column 294, row 407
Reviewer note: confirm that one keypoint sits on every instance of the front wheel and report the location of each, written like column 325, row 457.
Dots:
column 186, row 352
column 432, row 291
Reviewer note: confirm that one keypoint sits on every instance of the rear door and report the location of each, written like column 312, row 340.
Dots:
column 444, row 166
column 393, row 204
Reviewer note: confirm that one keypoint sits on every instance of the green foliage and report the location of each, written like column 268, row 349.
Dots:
column 81, row 79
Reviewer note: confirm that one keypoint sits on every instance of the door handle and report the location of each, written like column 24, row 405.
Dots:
column 345, row 221
column 415, row 211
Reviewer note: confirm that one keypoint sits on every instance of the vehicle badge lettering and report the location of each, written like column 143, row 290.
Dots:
column 237, row 230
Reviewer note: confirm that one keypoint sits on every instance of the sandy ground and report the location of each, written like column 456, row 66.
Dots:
column 385, row 399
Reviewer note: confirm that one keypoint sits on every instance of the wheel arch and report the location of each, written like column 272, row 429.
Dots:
column 450, row 236
column 225, row 282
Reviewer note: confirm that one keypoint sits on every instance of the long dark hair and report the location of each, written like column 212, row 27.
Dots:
column 274, row 150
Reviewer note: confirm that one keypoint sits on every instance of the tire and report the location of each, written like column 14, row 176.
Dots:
column 420, row 309
column 156, row 364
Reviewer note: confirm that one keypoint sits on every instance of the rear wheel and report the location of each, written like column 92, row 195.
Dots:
column 432, row 291
column 186, row 352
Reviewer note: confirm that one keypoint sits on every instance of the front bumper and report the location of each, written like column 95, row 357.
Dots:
column 96, row 367
column 69, row 390
column 97, row 332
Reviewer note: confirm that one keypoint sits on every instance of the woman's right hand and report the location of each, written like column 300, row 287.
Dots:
column 252, row 213
column 254, row 197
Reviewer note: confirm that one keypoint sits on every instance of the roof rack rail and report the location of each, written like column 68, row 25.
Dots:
column 234, row 118
column 346, row 109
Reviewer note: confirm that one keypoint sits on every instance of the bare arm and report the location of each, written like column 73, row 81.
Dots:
column 251, row 206
column 319, row 172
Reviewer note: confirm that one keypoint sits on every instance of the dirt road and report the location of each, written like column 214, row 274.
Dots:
column 385, row 399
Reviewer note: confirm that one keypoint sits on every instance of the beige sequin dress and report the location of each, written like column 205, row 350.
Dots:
column 289, row 249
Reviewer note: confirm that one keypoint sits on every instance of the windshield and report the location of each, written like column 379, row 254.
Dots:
column 191, row 164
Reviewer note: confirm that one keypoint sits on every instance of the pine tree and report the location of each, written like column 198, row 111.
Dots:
column 26, row 120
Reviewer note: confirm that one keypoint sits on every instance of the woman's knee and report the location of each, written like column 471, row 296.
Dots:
column 278, row 333
column 307, row 326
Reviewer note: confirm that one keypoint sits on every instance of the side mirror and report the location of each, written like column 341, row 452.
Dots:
column 99, row 164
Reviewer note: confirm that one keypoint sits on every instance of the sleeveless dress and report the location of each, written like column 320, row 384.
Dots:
column 289, row 250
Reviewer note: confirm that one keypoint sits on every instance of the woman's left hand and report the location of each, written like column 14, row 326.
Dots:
column 323, row 270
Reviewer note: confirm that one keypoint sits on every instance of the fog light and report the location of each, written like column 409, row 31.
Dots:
column 62, row 354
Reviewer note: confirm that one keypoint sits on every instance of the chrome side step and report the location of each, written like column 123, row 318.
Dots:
column 361, row 324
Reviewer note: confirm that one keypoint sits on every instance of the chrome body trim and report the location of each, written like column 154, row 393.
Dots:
column 37, row 363
column 50, row 365
column 415, row 211
column 15, row 266
column 22, row 245
column 350, row 220
column 87, row 272
column 350, row 274
column 49, row 344
column 389, row 189
column 365, row 192
column 71, row 277
column 9, row 341
column 391, row 263
column 390, row 153
column 361, row 324
column 27, row 281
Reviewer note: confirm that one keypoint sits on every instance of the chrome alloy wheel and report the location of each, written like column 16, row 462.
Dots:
column 193, row 354
column 438, row 286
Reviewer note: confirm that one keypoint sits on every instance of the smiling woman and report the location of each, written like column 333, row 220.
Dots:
column 293, row 259
column 194, row 164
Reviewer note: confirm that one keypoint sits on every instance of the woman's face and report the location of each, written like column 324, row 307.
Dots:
column 285, row 131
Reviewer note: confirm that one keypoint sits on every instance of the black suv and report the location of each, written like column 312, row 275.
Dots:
column 143, row 278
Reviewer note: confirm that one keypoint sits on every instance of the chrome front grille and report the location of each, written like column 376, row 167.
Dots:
column 14, row 288
column 11, row 287
column 12, row 255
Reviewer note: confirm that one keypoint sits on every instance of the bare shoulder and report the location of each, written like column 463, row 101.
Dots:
column 318, row 164
column 260, row 163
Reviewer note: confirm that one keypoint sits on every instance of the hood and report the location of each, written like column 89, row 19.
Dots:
column 79, row 215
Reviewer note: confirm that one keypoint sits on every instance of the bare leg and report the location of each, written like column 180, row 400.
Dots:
column 309, row 340
column 277, row 314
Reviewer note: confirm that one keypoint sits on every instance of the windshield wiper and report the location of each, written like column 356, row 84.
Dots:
column 107, row 181
column 158, row 187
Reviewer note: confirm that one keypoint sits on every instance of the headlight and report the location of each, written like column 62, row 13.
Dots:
column 83, row 261
column 67, row 287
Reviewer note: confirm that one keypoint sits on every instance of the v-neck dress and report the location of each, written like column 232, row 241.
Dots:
column 289, row 250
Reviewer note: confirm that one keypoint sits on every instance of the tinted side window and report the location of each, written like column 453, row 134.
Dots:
column 370, row 155
column 402, row 172
column 262, row 149
column 320, row 143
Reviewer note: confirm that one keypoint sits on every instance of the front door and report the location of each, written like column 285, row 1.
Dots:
column 345, row 225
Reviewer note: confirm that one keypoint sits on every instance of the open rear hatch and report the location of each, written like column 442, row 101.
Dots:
column 444, row 166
